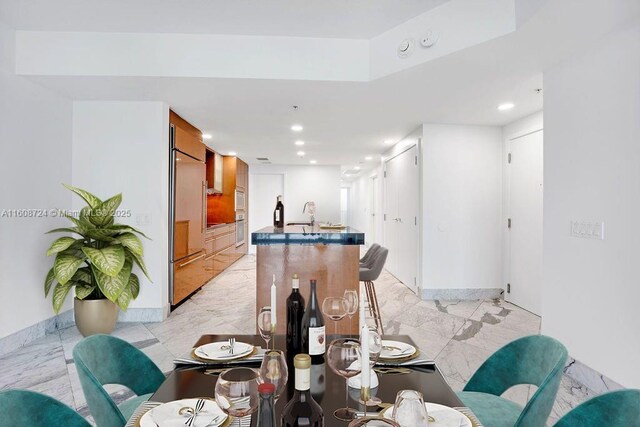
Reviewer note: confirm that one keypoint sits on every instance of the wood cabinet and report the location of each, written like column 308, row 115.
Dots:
column 214, row 172
column 186, row 137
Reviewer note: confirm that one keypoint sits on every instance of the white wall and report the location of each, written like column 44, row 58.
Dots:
column 592, row 173
column 360, row 206
column 123, row 147
column 462, row 201
column 36, row 151
column 320, row 184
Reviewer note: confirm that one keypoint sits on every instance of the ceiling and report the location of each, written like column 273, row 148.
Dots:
column 315, row 18
column 346, row 121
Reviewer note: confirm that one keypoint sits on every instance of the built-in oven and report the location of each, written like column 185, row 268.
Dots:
column 240, row 200
column 240, row 229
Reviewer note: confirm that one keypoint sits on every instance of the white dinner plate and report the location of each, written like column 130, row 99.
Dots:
column 168, row 414
column 400, row 350
column 444, row 416
column 218, row 351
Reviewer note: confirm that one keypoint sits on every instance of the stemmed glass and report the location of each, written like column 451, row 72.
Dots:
column 264, row 324
column 334, row 308
column 237, row 392
column 343, row 356
column 350, row 304
column 409, row 410
column 274, row 370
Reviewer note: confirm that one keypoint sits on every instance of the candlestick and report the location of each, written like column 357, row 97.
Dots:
column 274, row 307
column 365, row 379
column 361, row 312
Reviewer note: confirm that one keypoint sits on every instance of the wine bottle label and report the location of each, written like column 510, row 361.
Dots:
column 277, row 214
column 303, row 381
column 317, row 342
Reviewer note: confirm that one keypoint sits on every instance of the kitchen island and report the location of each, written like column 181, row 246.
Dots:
column 330, row 256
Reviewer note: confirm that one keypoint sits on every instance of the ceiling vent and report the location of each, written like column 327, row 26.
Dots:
column 262, row 159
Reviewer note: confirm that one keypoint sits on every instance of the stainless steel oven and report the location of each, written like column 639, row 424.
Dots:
column 240, row 200
column 240, row 229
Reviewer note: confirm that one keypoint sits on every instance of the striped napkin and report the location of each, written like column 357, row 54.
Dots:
column 421, row 360
column 469, row 413
column 188, row 359
column 147, row 406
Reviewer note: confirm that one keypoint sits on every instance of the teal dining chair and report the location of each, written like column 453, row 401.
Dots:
column 538, row 360
column 28, row 408
column 614, row 409
column 102, row 360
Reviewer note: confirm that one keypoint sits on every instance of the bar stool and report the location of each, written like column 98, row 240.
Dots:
column 366, row 259
column 367, row 275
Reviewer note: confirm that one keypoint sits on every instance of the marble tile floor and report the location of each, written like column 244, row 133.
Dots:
column 459, row 335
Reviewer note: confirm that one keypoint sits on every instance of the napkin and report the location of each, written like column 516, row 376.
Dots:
column 188, row 359
column 167, row 415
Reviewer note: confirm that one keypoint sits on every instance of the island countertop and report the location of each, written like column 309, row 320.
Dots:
column 307, row 235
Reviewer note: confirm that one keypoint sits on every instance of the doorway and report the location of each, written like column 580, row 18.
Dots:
column 525, row 221
column 344, row 205
column 401, row 231
column 265, row 188
column 373, row 203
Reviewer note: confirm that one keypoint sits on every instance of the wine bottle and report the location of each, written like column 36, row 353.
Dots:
column 302, row 410
column 295, row 311
column 313, row 336
column 278, row 214
column 266, row 413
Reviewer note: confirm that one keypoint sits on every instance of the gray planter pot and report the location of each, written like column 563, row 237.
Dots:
column 98, row 316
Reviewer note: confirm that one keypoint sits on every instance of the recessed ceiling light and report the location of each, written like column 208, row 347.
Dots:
column 368, row 158
column 388, row 141
column 299, row 143
column 506, row 106
column 233, row 153
column 206, row 136
column 313, row 162
column 297, row 128
column 347, row 175
column 300, row 153
column 357, row 168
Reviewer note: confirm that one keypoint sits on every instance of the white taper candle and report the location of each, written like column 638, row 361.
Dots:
column 274, row 307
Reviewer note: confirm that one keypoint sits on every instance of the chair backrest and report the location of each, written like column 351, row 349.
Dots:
column 375, row 266
column 619, row 408
column 535, row 359
column 103, row 359
column 372, row 250
column 28, row 408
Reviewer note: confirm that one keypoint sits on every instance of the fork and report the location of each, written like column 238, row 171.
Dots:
column 232, row 342
column 198, row 408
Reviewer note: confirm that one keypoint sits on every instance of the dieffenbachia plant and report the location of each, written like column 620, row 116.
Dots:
column 99, row 262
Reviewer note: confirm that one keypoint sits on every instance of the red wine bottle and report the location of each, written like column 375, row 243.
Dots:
column 302, row 410
column 278, row 214
column 295, row 312
column 313, row 336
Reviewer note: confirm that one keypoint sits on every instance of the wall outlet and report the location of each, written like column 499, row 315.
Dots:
column 587, row 230
column 143, row 219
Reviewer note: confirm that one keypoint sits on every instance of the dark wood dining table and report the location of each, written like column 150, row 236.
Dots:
column 327, row 388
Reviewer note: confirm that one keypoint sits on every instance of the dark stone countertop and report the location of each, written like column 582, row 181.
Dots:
column 307, row 235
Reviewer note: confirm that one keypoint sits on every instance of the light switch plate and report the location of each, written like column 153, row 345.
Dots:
column 587, row 229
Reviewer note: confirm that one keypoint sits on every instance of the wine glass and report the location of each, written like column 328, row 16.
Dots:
column 264, row 324
column 409, row 410
column 350, row 304
column 343, row 357
column 375, row 348
column 334, row 308
column 274, row 370
column 237, row 391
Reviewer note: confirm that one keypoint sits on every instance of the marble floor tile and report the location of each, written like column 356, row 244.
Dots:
column 459, row 360
column 487, row 336
column 456, row 307
column 570, row 394
column 498, row 312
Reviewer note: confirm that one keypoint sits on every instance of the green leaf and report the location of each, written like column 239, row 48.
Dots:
column 83, row 275
column 65, row 266
column 108, row 260
column 102, row 234
column 132, row 242
column 123, row 228
column 83, row 291
column 60, row 245
column 48, row 281
column 59, row 294
column 134, row 285
column 76, row 230
column 103, row 213
column 140, row 263
column 91, row 200
column 125, row 298
column 110, row 286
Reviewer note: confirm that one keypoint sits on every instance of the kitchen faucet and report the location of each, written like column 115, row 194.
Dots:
column 311, row 211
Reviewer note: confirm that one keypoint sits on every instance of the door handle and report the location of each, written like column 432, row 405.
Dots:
column 204, row 205
column 191, row 261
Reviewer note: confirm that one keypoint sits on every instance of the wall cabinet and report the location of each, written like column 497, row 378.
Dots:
column 215, row 174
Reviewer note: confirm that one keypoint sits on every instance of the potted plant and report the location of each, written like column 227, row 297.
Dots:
column 97, row 264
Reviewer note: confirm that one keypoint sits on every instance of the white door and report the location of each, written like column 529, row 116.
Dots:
column 525, row 212
column 373, row 202
column 265, row 188
column 401, row 217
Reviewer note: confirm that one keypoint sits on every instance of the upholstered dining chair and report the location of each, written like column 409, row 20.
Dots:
column 366, row 259
column 538, row 360
column 102, row 360
column 28, row 408
column 619, row 408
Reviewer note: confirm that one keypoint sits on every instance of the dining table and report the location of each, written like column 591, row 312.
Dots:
column 327, row 388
